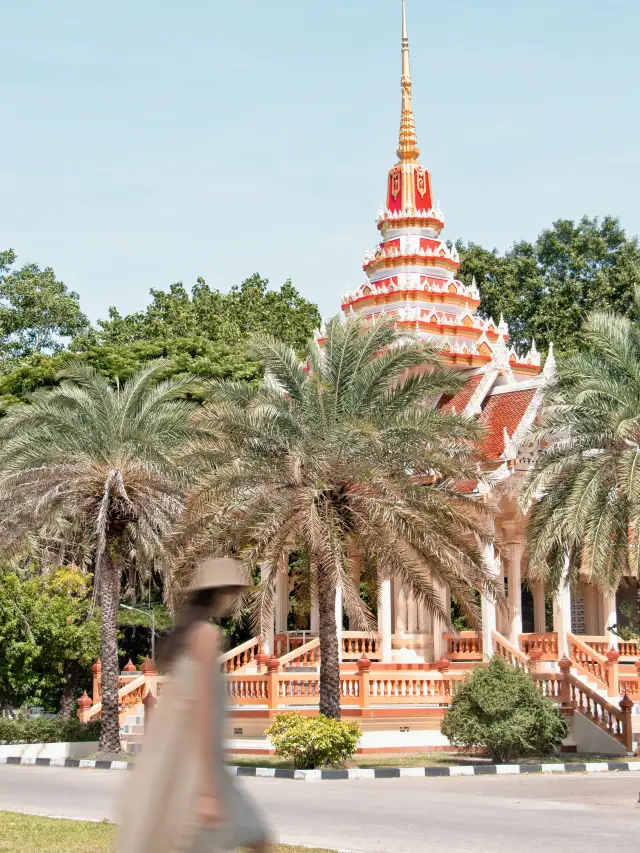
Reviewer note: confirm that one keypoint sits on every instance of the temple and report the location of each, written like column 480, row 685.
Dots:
column 399, row 680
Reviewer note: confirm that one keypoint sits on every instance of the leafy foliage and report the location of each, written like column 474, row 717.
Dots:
column 313, row 742
column 585, row 486
column 43, row 624
column 99, row 472
column 36, row 310
column 324, row 456
column 47, row 730
column 545, row 289
column 501, row 709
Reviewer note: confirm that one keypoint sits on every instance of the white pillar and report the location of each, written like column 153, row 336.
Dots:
column 515, row 591
column 268, row 644
column 562, row 618
column 489, row 607
column 539, row 609
column 339, row 621
column 315, row 616
column 384, row 619
column 282, row 601
column 610, row 617
column 440, row 644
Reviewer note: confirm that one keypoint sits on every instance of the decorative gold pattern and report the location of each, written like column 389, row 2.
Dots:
column 395, row 182
column 421, row 181
column 408, row 148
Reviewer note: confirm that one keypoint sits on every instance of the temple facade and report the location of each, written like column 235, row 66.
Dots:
column 412, row 277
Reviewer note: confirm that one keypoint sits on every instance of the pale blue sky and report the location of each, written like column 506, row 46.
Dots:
column 149, row 141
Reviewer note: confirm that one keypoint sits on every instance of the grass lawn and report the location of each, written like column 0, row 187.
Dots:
column 25, row 834
column 428, row 759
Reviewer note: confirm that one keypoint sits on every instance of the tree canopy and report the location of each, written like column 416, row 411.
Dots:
column 545, row 289
column 36, row 310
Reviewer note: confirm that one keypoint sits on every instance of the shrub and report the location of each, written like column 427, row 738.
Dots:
column 500, row 708
column 46, row 730
column 312, row 742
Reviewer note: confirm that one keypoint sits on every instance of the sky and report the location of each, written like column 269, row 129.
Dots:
column 145, row 142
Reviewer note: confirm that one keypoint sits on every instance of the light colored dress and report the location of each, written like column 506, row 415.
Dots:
column 159, row 807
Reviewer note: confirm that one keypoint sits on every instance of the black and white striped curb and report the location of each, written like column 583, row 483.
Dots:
column 358, row 772
column 421, row 772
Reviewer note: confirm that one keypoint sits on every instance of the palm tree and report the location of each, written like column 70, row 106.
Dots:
column 102, row 464
column 340, row 455
column 584, row 490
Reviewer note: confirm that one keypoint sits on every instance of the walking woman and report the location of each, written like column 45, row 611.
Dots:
column 180, row 798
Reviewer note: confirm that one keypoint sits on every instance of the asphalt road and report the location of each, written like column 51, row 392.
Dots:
column 481, row 814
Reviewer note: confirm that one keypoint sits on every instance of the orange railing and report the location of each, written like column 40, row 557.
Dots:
column 358, row 643
column 588, row 661
column 464, row 646
column 240, row 657
column 306, row 655
column 512, row 655
column 546, row 644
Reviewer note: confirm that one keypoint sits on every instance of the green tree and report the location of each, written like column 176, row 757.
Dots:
column 46, row 637
column 335, row 456
column 36, row 310
column 111, row 459
column 500, row 709
column 585, row 487
column 546, row 289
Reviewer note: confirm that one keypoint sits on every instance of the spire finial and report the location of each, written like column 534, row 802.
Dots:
column 408, row 148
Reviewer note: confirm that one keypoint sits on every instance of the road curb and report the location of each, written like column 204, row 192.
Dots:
column 357, row 773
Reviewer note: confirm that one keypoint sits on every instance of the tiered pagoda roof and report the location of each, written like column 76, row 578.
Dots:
column 411, row 276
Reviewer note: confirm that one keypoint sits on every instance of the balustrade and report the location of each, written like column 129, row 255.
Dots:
column 240, row 657
column 306, row 655
column 588, row 661
column 358, row 643
column 464, row 646
column 503, row 648
column 546, row 644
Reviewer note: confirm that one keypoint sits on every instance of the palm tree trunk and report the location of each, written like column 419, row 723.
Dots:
column 329, row 656
column 109, row 599
column 70, row 688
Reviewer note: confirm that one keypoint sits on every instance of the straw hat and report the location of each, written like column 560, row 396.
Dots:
column 220, row 572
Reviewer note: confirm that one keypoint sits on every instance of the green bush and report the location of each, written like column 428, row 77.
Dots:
column 500, row 708
column 312, row 742
column 46, row 730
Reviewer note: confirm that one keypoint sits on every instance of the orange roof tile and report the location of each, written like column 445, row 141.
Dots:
column 503, row 411
column 460, row 400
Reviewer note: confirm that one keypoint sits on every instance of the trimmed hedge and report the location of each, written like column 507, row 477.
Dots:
column 312, row 742
column 501, row 709
column 47, row 730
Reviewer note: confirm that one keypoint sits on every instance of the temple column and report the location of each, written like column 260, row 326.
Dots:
column 516, row 550
column 562, row 614
column 439, row 643
column 488, row 606
column 610, row 611
column 384, row 619
column 268, row 645
column 539, row 609
column 339, row 621
column 282, row 598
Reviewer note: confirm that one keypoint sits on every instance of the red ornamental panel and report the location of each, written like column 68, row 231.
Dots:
column 394, row 196
column 423, row 189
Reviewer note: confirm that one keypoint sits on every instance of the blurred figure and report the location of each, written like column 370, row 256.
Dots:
column 180, row 798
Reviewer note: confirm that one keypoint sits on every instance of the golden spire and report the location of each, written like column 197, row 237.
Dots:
column 408, row 149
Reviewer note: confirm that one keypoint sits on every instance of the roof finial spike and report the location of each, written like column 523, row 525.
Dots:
column 408, row 148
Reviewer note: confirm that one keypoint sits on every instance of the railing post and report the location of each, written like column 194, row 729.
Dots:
column 150, row 677
column 613, row 672
column 535, row 656
column 84, row 706
column 364, row 665
column 96, row 669
column 273, row 669
column 626, row 706
column 565, row 684
column 149, row 703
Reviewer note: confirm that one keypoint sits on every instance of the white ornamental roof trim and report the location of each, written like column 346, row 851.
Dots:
column 431, row 285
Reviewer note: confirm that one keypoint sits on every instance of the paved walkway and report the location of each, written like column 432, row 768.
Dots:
column 485, row 814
